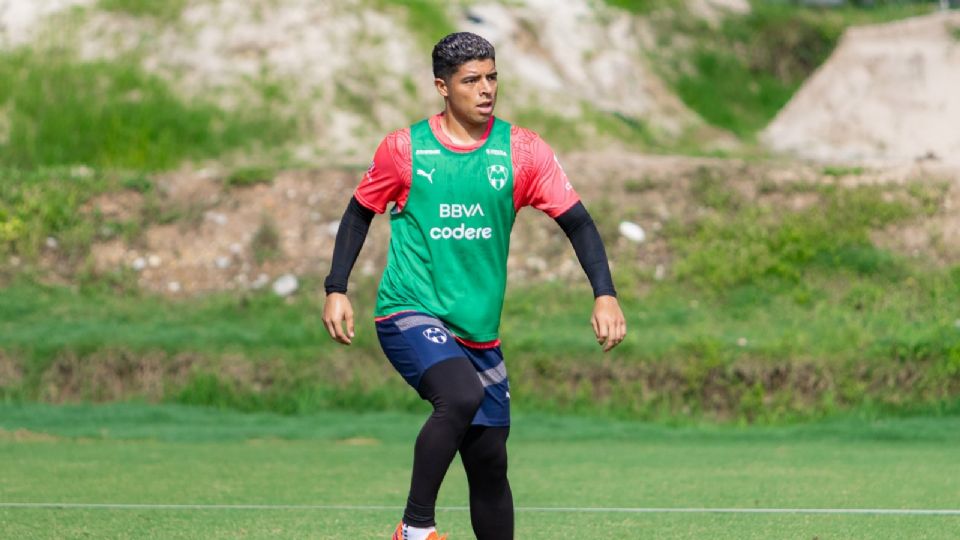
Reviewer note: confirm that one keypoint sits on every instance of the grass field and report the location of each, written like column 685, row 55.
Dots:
column 343, row 475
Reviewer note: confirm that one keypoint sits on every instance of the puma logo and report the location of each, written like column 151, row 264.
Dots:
column 427, row 175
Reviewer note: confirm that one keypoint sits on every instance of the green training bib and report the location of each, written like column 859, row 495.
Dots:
column 449, row 243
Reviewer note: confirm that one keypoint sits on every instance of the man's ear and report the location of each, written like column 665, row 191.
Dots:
column 441, row 86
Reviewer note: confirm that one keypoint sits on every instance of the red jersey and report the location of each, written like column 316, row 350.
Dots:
column 539, row 181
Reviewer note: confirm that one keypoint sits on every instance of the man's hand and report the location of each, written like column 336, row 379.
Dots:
column 608, row 322
column 336, row 310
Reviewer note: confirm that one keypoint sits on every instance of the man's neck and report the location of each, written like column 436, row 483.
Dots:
column 462, row 133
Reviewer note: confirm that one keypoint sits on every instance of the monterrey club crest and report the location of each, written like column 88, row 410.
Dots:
column 435, row 335
column 497, row 175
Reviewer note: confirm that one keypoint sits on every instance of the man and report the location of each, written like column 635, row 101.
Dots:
column 457, row 180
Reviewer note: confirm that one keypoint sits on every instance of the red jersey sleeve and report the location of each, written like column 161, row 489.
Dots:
column 388, row 178
column 539, row 180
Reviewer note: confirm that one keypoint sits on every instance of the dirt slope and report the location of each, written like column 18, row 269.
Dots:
column 888, row 93
column 215, row 240
column 352, row 70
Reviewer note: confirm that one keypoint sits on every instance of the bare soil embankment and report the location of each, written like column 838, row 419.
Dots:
column 220, row 238
column 889, row 93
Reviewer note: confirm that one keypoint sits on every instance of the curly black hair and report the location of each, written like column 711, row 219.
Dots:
column 457, row 49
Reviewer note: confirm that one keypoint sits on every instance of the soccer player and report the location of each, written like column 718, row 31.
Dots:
column 456, row 181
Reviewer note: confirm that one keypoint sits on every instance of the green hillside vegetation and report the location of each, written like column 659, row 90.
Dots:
column 113, row 115
column 738, row 74
column 645, row 7
column 568, row 135
column 49, row 202
column 42, row 203
column 161, row 9
column 427, row 20
column 768, row 316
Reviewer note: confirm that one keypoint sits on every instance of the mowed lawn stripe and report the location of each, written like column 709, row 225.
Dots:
column 594, row 477
column 590, row 510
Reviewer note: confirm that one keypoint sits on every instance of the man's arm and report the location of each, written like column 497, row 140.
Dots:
column 350, row 237
column 582, row 232
column 608, row 321
column 540, row 182
column 387, row 180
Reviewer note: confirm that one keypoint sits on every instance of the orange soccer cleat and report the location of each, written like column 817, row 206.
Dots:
column 398, row 534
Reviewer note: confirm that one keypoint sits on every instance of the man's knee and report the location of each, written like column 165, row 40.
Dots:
column 454, row 388
column 488, row 455
column 496, row 458
column 468, row 400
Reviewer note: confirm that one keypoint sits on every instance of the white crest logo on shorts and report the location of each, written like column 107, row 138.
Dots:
column 435, row 335
column 497, row 175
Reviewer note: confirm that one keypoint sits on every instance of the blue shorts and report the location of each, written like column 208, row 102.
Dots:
column 414, row 342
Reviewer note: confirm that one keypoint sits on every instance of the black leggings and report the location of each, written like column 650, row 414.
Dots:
column 455, row 392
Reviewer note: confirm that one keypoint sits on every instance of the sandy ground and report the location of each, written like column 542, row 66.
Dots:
column 889, row 93
column 22, row 20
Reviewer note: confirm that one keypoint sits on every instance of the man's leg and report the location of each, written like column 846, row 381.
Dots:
column 484, row 455
column 455, row 391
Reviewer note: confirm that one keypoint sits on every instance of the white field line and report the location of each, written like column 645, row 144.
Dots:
column 571, row 509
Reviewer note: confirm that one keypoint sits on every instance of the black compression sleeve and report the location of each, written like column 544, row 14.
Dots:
column 350, row 236
column 582, row 232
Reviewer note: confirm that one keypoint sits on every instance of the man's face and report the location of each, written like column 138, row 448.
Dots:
column 471, row 92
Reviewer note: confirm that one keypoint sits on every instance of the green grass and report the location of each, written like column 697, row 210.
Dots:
column 563, row 133
column 727, row 95
column 161, row 9
column 837, row 170
column 249, row 176
column 175, row 455
column 36, row 204
column 641, row 7
column 95, row 315
column 261, row 353
column 768, row 315
column 737, row 75
column 334, row 525
column 569, row 134
column 115, row 115
column 740, row 245
column 427, row 20
column 53, row 202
